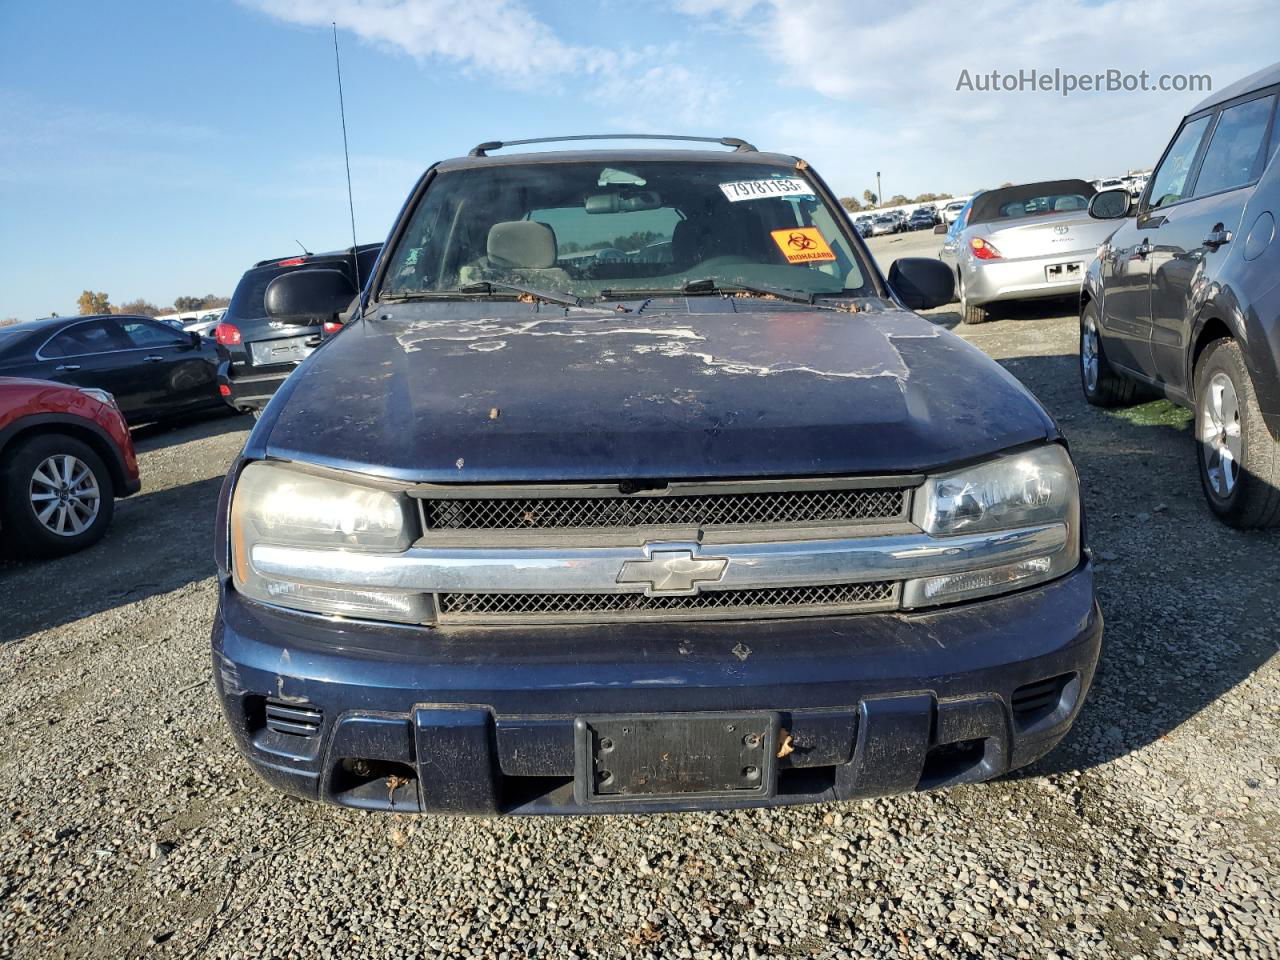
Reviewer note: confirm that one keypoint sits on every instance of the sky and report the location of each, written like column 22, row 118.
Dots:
column 157, row 149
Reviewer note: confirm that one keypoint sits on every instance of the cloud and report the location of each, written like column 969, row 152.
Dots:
column 500, row 37
column 732, row 9
column 883, row 78
column 509, row 44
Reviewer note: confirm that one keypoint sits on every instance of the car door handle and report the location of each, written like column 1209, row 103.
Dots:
column 1217, row 238
column 66, row 367
column 154, row 358
column 1142, row 249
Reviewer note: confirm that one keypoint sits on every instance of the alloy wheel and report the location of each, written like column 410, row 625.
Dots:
column 1089, row 363
column 1220, row 434
column 64, row 495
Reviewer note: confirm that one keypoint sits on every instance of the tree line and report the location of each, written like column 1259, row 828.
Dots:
column 870, row 201
column 91, row 302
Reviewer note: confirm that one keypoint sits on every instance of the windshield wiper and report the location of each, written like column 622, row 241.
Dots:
column 483, row 288
column 422, row 295
column 711, row 285
column 549, row 296
column 708, row 285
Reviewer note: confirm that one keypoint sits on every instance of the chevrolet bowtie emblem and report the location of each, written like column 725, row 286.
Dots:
column 672, row 572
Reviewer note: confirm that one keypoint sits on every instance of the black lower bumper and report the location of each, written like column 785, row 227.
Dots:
column 483, row 720
column 247, row 388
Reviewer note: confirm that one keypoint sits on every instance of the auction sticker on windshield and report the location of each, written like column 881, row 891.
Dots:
column 802, row 244
column 758, row 189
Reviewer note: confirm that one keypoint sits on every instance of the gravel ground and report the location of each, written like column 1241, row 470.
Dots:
column 130, row 826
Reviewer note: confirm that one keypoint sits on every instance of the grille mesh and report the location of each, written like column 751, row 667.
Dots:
column 714, row 509
column 533, row 605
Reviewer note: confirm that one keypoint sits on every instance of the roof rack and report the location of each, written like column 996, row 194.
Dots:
column 740, row 146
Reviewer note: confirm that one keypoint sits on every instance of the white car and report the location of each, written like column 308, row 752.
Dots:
column 205, row 324
column 952, row 210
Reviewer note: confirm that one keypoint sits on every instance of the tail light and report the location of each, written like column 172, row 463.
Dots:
column 227, row 334
column 291, row 262
column 983, row 250
column 332, row 326
column 224, row 390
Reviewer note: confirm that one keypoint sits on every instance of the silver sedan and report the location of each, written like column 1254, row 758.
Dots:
column 1025, row 243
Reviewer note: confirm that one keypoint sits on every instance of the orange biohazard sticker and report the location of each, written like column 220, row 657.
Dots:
column 802, row 244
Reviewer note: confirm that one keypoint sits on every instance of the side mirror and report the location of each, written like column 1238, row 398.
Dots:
column 196, row 339
column 309, row 294
column 1110, row 205
column 941, row 228
column 921, row 282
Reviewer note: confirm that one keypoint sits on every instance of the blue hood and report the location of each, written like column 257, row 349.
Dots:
column 704, row 387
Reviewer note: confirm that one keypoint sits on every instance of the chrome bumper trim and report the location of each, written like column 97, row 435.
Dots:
column 598, row 569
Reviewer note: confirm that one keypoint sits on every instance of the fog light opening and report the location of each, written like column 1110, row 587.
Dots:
column 952, row 762
column 374, row 784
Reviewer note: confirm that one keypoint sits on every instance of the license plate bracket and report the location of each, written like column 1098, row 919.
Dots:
column 1070, row 270
column 285, row 350
column 675, row 756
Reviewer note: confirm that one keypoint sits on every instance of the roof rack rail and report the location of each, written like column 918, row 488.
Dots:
column 740, row 146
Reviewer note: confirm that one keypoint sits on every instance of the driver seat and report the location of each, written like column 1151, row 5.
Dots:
column 524, row 250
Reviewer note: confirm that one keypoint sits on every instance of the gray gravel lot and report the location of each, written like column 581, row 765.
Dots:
column 130, row 827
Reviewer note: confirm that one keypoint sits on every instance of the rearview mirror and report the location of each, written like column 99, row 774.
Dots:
column 941, row 228
column 309, row 294
column 922, row 283
column 1110, row 205
column 618, row 202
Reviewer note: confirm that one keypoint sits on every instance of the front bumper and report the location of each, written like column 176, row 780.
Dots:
column 481, row 720
column 991, row 281
column 246, row 388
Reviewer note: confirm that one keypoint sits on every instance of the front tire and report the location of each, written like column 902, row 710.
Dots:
column 1239, row 459
column 1102, row 386
column 56, row 496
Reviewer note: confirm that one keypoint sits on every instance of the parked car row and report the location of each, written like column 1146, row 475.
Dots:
column 1135, row 183
column 923, row 217
column 134, row 369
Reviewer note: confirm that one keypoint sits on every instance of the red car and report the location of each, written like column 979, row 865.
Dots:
column 65, row 455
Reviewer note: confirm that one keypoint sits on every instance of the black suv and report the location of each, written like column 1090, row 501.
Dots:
column 257, row 353
column 631, row 484
column 1183, row 299
column 922, row 219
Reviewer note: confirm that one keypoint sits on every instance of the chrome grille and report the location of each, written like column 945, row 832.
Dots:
column 858, row 505
column 771, row 601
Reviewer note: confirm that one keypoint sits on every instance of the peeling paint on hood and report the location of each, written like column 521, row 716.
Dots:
column 703, row 387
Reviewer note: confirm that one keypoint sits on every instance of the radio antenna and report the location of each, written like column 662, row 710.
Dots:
column 346, row 156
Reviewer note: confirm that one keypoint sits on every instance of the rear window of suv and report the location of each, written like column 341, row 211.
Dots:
column 247, row 302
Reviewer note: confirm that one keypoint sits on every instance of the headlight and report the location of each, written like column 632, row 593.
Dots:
column 1036, row 488
column 279, row 505
column 100, row 395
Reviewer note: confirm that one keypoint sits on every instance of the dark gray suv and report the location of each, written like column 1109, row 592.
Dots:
column 1184, row 299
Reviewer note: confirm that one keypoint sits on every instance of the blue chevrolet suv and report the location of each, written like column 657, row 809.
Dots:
column 631, row 484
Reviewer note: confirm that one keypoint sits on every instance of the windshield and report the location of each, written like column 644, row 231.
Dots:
column 587, row 227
